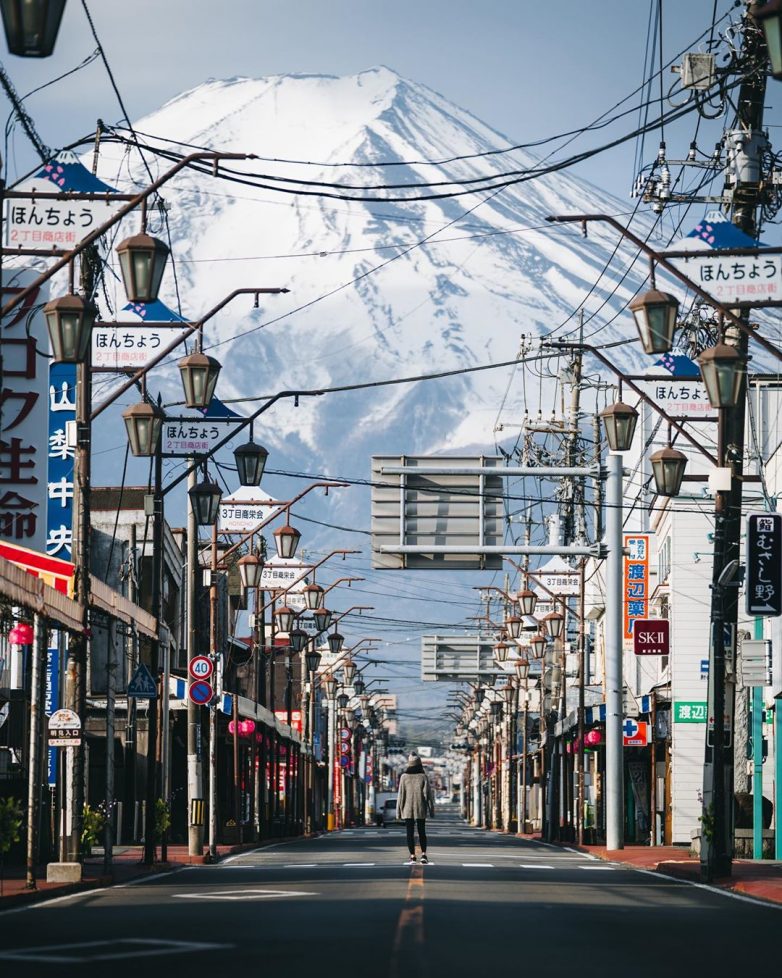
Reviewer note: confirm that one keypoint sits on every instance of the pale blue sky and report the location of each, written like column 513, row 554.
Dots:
column 527, row 68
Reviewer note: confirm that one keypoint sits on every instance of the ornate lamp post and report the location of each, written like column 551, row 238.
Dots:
column 31, row 26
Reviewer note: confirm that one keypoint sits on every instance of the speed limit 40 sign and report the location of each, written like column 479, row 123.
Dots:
column 201, row 667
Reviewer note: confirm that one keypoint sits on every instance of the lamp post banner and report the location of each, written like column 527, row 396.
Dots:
column 764, row 564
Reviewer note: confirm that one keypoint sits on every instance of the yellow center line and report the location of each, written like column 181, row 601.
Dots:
column 409, row 936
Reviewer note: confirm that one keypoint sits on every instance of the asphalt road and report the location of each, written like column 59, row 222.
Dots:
column 346, row 904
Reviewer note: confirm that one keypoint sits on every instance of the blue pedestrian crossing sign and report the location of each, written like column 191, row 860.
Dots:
column 142, row 686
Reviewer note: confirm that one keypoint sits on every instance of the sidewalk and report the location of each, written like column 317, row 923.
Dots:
column 127, row 864
column 756, row 878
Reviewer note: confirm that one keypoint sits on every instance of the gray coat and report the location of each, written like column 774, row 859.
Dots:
column 416, row 798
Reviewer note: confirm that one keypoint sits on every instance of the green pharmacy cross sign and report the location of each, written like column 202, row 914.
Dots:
column 690, row 711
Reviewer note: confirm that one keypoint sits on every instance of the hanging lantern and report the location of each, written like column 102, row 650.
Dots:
column 297, row 639
column 250, row 567
column 522, row 669
column 342, row 701
column 514, row 625
column 205, row 498
column 322, row 617
column 312, row 660
column 284, row 616
column 142, row 261
column 619, row 420
column 250, row 461
column 480, row 693
column 348, row 671
column 554, row 623
column 501, row 650
column 722, row 370
column 359, row 686
column 507, row 691
column 336, row 642
column 199, row 378
column 496, row 709
column 655, row 319
column 527, row 600
column 313, row 596
column 668, row 469
column 329, row 684
column 143, row 422
column 21, row 634
column 31, row 26
column 770, row 18
column 538, row 645
column 69, row 320
column 286, row 540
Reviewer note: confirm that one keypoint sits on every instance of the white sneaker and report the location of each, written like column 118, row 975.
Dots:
column 424, row 860
column 411, row 860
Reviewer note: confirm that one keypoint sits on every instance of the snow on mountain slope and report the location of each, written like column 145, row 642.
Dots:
column 462, row 298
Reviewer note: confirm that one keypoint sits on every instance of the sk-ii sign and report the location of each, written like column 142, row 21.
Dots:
column 764, row 564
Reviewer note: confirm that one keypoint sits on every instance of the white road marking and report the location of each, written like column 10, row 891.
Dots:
column 142, row 947
column 480, row 865
column 242, row 894
column 358, row 864
column 597, row 868
column 534, row 866
column 300, row 866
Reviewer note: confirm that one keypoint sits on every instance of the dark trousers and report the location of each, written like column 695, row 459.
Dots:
column 410, row 824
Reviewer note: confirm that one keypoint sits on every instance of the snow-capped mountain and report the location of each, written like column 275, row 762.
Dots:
column 378, row 290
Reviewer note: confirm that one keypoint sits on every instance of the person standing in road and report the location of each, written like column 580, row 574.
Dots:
column 414, row 803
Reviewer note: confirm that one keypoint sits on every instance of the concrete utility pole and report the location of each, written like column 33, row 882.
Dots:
column 747, row 144
column 614, row 682
column 195, row 776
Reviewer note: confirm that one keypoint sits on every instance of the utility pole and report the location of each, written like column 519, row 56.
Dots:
column 195, row 777
column 747, row 145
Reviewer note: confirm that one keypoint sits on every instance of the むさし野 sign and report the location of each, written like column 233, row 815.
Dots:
column 635, row 582
column 651, row 636
column 764, row 564
column 635, row 733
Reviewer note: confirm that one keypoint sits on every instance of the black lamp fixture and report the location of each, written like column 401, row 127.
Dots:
column 496, row 709
column 31, row 26
column 250, row 461
column 142, row 261
column 329, row 684
column 250, row 568
column 313, row 596
column 143, row 422
column 554, row 624
column 342, row 701
column 527, row 600
column 286, row 540
column 284, row 616
column 322, row 618
column 668, row 470
column 722, row 370
column 312, row 659
column 69, row 320
column 655, row 315
column 205, row 497
column 336, row 642
column 349, row 671
column 359, row 686
column 619, row 420
column 199, row 378
column 479, row 694
column 770, row 17
column 297, row 639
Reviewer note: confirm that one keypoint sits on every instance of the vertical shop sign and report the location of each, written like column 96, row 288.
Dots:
column 635, row 583
column 764, row 564
column 61, row 452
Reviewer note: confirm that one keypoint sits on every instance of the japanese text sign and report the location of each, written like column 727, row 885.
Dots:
column 764, row 564
column 128, row 346
column 651, row 636
column 635, row 581
column 59, row 483
column 193, row 436
column 735, row 279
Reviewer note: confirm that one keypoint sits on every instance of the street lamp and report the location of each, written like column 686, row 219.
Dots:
column 250, row 461
column 205, row 497
column 722, row 370
column 770, row 17
column 514, row 625
column 619, row 420
column 313, row 596
column 501, row 650
column 522, row 670
column 538, row 645
column 322, row 618
column 250, row 568
column 312, row 659
column 142, row 261
column 297, row 639
column 359, row 686
column 554, row 624
column 284, row 617
column 349, row 671
column 342, row 701
column 69, row 320
column 329, row 684
column 527, row 600
column 143, row 422
column 336, row 642
column 286, row 540
column 31, row 26
column 668, row 466
column 199, row 379
column 655, row 319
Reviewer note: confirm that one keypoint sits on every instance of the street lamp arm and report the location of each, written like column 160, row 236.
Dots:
column 355, row 607
column 680, row 429
column 139, row 198
column 191, row 328
column 301, row 577
column 341, row 580
column 671, row 269
column 541, row 585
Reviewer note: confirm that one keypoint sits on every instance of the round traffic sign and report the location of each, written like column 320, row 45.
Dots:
column 200, row 692
column 201, row 667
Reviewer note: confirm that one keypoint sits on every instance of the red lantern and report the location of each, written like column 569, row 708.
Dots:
column 593, row 738
column 21, row 634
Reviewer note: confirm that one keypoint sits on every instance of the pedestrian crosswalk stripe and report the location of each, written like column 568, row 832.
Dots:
column 480, row 865
column 597, row 867
column 358, row 864
column 534, row 866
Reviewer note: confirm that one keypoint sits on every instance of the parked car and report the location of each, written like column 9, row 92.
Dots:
column 388, row 813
